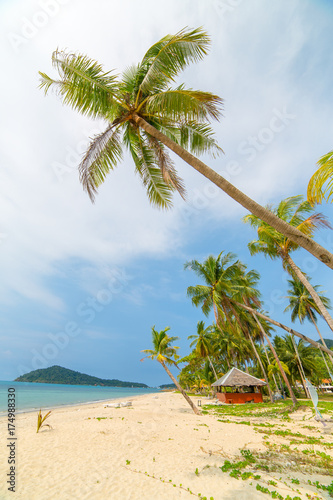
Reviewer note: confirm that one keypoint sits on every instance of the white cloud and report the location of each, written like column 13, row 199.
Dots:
column 47, row 221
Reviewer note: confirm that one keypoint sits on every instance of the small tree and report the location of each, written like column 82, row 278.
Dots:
column 166, row 354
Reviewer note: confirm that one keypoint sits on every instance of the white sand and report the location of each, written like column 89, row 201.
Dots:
column 85, row 458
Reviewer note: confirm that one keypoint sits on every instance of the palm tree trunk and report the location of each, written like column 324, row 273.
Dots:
column 286, row 328
column 323, row 311
column 291, row 392
column 321, row 337
column 264, row 214
column 211, row 364
column 300, row 369
column 275, row 382
column 189, row 400
column 281, row 385
column 262, row 368
column 328, row 370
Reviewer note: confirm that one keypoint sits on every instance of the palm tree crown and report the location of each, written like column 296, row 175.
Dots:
column 301, row 304
column 298, row 213
column 162, row 350
column 142, row 91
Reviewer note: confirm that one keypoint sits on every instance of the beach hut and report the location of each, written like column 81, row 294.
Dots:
column 245, row 388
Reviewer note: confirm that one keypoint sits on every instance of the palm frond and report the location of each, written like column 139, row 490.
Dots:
column 102, row 156
column 158, row 191
column 288, row 206
column 182, row 104
column 84, row 85
column 198, row 138
column 315, row 221
column 166, row 58
column 130, row 81
column 166, row 166
column 318, row 190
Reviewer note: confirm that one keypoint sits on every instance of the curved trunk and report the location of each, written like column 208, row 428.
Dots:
column 323, row 311
column 291, row 392
column 180, row 389
column 328, row 370
column 262, row 368
column 321, row 338
column 286, row 328
column 275, row 382
column 300, row 368
column 211, row 364
column 266, row 215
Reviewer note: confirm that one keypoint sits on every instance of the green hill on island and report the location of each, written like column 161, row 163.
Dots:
column 59, row 375
column 328, row 342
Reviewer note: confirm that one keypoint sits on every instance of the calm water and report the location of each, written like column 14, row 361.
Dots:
column 32, row 396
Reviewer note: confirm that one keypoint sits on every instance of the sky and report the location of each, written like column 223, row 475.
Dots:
column 81, row 285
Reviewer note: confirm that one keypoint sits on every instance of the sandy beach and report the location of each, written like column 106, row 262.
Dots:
column 155, row 449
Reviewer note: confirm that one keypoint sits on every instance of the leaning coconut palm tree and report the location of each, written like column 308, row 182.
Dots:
column 166, row 354
column 274, row 245
column 146, row 115
column 302, row 306
column 203, row 343
column 260, row 315
column 320, row 187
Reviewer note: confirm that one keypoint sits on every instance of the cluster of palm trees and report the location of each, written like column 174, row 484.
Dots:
column 237, row 336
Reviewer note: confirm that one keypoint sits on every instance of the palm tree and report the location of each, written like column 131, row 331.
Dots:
column 275, row 369
column 151, row 115
column 320, row 187
column 166, row 354
column 220, row 276
column 208, row 376
column 226, row 282
column 258, row 314
column 249, row 294
column 203, row 343
column 251, row 331
column 302, row 306
column 298, row 357
column 272, row 244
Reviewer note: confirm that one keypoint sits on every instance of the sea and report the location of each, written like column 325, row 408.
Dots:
column 34, row 396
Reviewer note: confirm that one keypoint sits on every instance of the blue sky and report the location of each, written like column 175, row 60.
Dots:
column 81, row 285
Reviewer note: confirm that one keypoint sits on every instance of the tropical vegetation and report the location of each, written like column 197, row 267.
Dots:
column 239, row 332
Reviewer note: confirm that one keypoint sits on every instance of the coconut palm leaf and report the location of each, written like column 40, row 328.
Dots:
column 320, row 186
column 166, row 58
column 182, row 104
column 103, row 154
column 84, row 85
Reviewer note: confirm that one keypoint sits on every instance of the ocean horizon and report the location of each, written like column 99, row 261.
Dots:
column 32, row 396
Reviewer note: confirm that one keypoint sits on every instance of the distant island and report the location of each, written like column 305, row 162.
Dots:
column 167, row 386
column 59, row 375
column 328, row 342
